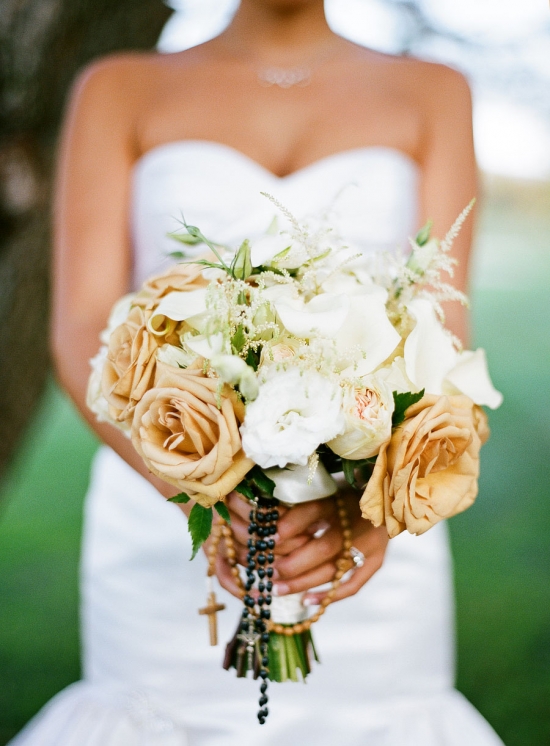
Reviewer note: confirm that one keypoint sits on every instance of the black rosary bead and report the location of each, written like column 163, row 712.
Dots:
column 265, row 662
column 248, row 601
column 263, row 687
column 261, row 572
column 264, row 674
column 252, row 528
column 262, row 545
column 269, row 572
column 261, row 587
column 265, row 614
column 262, row 700
column 270, row 557
column 269, row 586
column 261, row 601
column 251, row 543
column 270, row 544
column 267, row 599
column 265, row 637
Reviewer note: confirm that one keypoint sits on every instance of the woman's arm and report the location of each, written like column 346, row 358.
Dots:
column 448, row 172
column 92, row 258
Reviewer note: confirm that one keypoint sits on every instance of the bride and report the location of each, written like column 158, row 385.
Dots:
column 276, row 103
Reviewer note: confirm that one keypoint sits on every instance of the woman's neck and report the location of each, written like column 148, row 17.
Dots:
column 279, row 32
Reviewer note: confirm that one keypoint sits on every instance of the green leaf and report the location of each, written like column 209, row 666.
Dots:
column 402, row 403
column 185, row 238
column 223, row 512
column 181, row 498
column 423, row 235
column 239, row 338
column 244, row 489
column 253, row 358
column 348, row 467
column 261, row 480
column 199, row 525
column 177, row 255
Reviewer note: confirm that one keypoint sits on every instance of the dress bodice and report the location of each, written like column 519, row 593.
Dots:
column 370, row 193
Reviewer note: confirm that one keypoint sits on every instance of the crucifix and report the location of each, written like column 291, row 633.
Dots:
column 210, row 610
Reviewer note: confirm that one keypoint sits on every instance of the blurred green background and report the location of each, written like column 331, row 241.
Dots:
column 501, row 545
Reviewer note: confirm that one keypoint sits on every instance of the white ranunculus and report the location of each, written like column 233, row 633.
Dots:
column 294, row 413
column 118, row 316
column 205, row 345
column 94, row 396
column 368, row 410
column 322, row 316
column 175, row 356
column 367, row 328
column 470, row 376
column 429, row 350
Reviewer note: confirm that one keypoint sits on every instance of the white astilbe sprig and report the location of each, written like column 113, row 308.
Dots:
column 419, row 275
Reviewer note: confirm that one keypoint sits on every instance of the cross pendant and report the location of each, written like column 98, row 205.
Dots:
column 210, row 610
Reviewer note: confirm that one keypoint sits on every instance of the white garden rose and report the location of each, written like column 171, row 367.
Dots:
column 294, row 413
column 368, row 410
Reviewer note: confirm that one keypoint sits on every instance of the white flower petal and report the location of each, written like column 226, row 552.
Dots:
column 429, row 350
column 204, row 345
column 471, row 377
column 178, row 306
column 230, row 368
column 118, row 316
column 322, row 316
column 368, row 328
column 175, row 356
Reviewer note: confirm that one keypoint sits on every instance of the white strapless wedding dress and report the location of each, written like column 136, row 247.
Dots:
column 150, row 677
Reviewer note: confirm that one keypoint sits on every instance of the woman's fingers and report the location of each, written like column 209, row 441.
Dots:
column 306, row 518
column 318, row 576
column 226, row 578
column 373, row 546
column 313, row 553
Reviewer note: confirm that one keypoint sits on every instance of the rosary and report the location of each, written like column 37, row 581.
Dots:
column 250, row 647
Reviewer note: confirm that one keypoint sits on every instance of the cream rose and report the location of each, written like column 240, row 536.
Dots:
column 181, row 277
column 368, row 411
column 129, row 365
column 187, row 431
column 429, row 469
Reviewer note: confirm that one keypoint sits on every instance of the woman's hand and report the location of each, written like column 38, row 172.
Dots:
column 308, row 543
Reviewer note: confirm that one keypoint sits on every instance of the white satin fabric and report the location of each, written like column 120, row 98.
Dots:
column 150, row 678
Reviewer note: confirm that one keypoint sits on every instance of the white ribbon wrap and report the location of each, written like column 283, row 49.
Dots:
column 292, row 488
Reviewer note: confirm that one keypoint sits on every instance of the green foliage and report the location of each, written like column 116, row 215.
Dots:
column 245, row 489
column 402, row 403
column 181, row 498
column 423, row 235
column 349, row 467
column 239, row 338
column 200, row 526
column 261, row 481
column 223, row 512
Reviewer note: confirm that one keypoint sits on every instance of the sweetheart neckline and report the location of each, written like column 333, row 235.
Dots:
column 362, row 149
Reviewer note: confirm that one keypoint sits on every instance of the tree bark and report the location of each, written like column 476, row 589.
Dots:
column 43, row 44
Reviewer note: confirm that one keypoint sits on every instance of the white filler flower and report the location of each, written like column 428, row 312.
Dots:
column 295, row 411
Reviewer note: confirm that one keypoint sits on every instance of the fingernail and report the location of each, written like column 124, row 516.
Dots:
column 310, row 601
column 280, row 589
column 318, row 528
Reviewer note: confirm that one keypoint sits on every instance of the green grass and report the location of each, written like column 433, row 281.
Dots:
column 501, row 545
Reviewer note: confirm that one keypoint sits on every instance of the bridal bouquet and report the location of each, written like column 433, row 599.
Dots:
column 266, row 368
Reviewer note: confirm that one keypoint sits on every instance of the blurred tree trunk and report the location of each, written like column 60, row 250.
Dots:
column 43, row 43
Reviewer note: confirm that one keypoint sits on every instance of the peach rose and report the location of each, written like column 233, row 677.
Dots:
column 130, row 365
column 181, row 277
column 186, row 429
column 429, row 469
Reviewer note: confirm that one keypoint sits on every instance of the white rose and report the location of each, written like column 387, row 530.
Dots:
column 94, row 396
column 368, row 413
column 294, row 413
